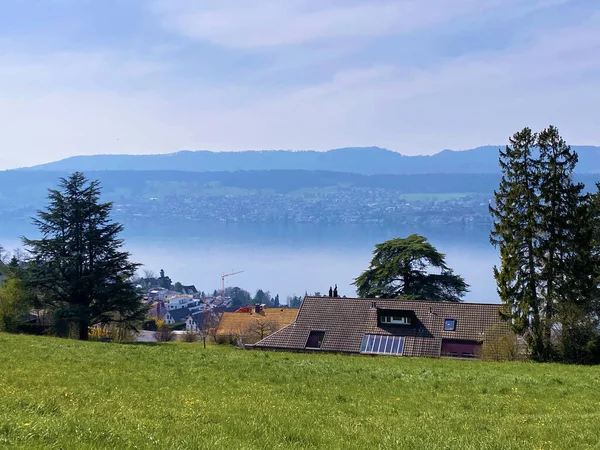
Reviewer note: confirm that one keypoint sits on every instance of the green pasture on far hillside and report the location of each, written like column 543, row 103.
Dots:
column 64, row 394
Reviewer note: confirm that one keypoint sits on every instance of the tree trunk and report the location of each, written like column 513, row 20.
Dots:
column 83, row 330
column 204, row 340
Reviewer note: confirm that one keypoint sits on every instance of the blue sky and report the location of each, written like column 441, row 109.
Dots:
column 415, row 76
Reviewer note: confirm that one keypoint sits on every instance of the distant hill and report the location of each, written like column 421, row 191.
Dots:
column 360, row 160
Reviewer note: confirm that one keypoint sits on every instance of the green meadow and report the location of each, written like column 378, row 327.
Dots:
column 63, row 394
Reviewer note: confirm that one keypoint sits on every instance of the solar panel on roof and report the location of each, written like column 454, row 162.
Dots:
column 382, row 345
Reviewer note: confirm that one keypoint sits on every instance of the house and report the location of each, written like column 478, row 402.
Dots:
column 256, row 318
column 190, row 290
column 179, row 301
column 157, row 309
column 389, row 327
column 179, row 315
column 158, row 293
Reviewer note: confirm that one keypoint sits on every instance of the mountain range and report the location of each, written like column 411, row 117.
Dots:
column 359, row 160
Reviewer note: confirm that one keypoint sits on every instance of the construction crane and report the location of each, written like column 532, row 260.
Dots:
column 223, row 282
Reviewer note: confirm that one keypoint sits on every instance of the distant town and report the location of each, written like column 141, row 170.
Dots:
column 350, row 206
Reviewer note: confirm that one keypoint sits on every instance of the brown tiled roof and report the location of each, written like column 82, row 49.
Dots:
column 238, row 322
column 346, row 320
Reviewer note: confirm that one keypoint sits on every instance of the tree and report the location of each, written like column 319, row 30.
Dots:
column 563, row 232
column 77, row 266
column 545, row 228
column 294, row 301
column 208, row 324
column 239, row 296
column 276, row 301
column 164, row 281
column 262, row 297
column 178, row 287
column 514, row 232
column 14, row 304
column 259, row 328
column 149, row 274
column 401, row 268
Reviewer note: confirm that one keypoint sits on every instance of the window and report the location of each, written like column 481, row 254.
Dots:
column 449, row 324
column 315, row 339
column 382, row 345
column 397, row 320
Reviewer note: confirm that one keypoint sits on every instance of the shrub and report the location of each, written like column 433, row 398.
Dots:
column 190, row 336
column 501, row 344
column 164, row 333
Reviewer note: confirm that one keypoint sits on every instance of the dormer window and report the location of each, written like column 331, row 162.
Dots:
column 315, row 339
column 396, row 320
column 449, row 324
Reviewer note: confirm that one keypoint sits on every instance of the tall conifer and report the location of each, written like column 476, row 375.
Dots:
column 515, row 233
column 77, row 266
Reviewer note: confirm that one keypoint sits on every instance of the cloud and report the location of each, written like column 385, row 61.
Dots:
column 304, row 77
column 268, row 23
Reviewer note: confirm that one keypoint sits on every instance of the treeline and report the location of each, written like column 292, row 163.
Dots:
column 547, row 228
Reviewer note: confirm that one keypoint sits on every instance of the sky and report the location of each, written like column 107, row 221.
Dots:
column 415, row 76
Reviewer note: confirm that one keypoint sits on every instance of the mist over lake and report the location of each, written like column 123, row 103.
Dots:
column 285, row 259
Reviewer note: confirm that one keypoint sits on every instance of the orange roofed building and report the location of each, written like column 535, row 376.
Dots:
column 253, row 323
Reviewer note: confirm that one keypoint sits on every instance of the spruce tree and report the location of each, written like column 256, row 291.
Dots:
column 78, row 267
column 562, row 227
column 515, row 233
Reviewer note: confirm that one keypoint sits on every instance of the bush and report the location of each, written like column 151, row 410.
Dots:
column 230, row 338
column 501, row 345
column 117, row 332
column 190, row 336
column 164, row 333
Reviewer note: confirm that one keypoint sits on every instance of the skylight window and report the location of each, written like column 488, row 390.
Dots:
column 382, row 345
column 449, row 324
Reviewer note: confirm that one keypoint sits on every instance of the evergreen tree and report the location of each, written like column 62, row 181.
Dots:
column 401, row 268
column 547, row 232
column 561, row 228
column 515, row 233
column 14, row 262
column 276, row 301
column 77, row 266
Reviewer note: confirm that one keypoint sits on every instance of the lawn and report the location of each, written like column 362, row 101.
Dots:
column 71, row 395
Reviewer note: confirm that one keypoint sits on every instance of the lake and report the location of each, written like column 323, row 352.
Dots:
column 285, row 259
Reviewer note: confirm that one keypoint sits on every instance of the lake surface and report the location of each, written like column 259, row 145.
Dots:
column 285, row 259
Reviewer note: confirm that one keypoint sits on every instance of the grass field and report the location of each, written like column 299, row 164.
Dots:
column 72, row 395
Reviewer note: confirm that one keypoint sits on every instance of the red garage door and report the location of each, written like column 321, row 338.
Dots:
column 460, row 348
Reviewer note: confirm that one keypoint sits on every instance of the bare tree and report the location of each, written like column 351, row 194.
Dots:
column 149, row 273
column 208, row 323
column 260, row 328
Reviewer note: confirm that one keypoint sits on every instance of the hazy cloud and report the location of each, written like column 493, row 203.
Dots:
column 414, row 76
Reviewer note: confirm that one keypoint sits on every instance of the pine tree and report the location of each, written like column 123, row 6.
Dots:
column 515, row 233
column 77, row 266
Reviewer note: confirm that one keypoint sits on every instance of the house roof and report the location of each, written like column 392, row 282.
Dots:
column 238, row 322
column 179, row 315
column 191, row 289
column 346, row 320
